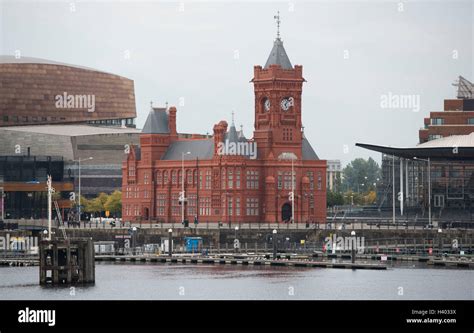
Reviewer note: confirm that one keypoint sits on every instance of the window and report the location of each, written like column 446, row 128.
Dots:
column 200, row 179
column 145, row 194
column 237, row 178
column 310, row 175
column 252, row 206
column 470, row 121
column 160, row 204
column 146, row 179
column 173, row 177
column 191, row 206
column 229, row 206
column 320, row 181
column 287, row 134
column 223, row 179
column 230, row 179
column 204, row 206
column 165, row 177
column 189, row 176
column 434, row 137
column 5, row 118
column 175, row 206
column 159, row 178
column 287, row 180
column 280, row 180
column 437, row 121
column 237, row 206
column 252, row 179
column 208, row 179
column 131, row 171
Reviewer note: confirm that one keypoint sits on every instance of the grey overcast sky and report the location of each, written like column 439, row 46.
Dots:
column 202, row 53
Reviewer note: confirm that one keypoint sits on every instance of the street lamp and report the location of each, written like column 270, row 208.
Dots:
column 440, row 242
column 134, row 241
column 429, row 187
column 353, row 254
column 79, row 160
column 274, row 244
column 170, row 242
column 183, row 196
column 236, row 246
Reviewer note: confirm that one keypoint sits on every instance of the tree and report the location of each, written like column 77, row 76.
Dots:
column 334, row 199
column 360, row 175
column 114, row 202
column 97, row 205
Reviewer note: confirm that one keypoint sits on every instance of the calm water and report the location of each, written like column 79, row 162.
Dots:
column 163, row 282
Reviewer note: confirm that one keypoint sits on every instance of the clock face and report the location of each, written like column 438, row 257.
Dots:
column 286, row 103
column 266, row 104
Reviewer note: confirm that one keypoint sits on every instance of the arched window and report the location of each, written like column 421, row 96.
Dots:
column 189, row 176
column 159, row 178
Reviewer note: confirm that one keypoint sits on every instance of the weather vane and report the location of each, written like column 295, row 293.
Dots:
column 277, row 18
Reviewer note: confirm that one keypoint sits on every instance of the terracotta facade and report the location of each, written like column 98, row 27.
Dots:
column 222, row 185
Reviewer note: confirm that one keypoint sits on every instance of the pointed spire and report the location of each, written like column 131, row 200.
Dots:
column 233, row 122
column 278, row 54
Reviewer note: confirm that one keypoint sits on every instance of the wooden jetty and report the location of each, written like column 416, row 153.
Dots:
column 239, row 260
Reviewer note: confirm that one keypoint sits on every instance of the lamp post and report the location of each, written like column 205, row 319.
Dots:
column 274, row 238
column 429, row 187
column 440, row 242
column 134, row 240
column 236, row 241
column 353, row 242
column 170, row 242
column 79, row 160
column 183, row 196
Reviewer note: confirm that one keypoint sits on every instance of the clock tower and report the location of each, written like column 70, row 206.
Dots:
column 278, row 87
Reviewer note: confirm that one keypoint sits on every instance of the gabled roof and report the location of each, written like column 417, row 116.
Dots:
column 157, row 122
column 278, row 56
column 307, row 151
column 202, row 149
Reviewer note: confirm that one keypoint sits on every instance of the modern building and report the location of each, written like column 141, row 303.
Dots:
column 24, row 185
column 333, row 175
column 70, row 113
column 438, row 173
column 106, row 145
column 274, row 177
column 38, row 91
column 446, row 142
column 457, row 117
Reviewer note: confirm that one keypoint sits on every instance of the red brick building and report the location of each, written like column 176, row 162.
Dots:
column 457, row 118
column 227, row 177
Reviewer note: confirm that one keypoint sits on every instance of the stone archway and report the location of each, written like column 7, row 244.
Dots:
column 286, row 212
